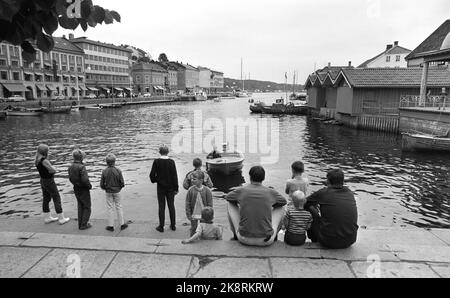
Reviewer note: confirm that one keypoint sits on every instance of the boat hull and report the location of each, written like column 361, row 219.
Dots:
column 227, row 164
column 57, row 110
column 23, row 114
column 279, row 109
column 414, row 142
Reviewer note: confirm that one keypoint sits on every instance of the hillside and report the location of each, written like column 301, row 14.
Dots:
column 255, row 86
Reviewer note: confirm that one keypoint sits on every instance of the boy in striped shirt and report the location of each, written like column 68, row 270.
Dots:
column 297, row 220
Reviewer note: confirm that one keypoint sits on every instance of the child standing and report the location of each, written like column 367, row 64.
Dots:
column 49, row 189
column 206, row 230
column 112, row 182
column 297, row 221
column 197, row 198
column 299, row 180
column 197, row 168
column 81, row 186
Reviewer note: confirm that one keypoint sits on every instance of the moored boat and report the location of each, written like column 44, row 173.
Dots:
column 94, row 107
column 23, row 112
column 57, row 110
column 229, row 162
column 257, row 107
column 111, row 106
column 424, row 142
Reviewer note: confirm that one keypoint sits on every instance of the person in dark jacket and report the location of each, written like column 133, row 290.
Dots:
column 78, row 176
column 335, row 214
column 112, row 183
column 164, row 173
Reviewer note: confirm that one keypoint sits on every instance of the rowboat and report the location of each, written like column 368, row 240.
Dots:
column 57, row 110
column 23, row 112
column 112, row 106
column 96, row 107
column 229, row 162
column 421, row 142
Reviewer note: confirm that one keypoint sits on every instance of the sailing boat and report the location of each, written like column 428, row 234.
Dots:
column 242, row 93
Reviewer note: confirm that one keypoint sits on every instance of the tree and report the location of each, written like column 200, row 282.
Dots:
column 144, row 60
column 163, row 58
column 32, row 22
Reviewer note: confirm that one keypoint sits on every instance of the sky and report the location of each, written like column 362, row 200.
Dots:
column 271, row 36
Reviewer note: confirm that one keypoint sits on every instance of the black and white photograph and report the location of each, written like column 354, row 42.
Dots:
column 224, row 145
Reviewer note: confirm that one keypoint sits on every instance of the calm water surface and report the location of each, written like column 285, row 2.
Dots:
column 393, row 189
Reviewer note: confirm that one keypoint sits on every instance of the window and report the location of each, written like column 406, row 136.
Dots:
column 16, row 76
column 388, row 58
column 64, row 67
column 397, row 58
column 15, row 63
column 2, row 62
column 46, row 56
column 3, row 75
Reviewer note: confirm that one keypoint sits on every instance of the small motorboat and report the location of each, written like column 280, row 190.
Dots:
column 425, row 142
column 257, row 107
column 112, row 106
column 94, row 107
column 57, row 110
column 201, row 96
column 23, row 112
column 227, row 162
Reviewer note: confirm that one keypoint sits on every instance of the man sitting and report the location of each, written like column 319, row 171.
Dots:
column 256, row 212
column 335, row 214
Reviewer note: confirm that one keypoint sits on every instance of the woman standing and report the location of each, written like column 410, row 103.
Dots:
column 48, row 185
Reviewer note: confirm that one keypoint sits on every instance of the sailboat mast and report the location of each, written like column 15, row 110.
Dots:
column 242, row 78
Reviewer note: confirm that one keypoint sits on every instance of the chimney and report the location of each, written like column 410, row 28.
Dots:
column 64, row 36
column 71, row 36
column 395, row 43
column 388, row 47
column 349, row 63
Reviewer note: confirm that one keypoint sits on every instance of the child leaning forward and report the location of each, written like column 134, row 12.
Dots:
column 206, row 230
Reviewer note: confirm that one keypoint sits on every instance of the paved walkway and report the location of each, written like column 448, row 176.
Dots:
column 29, row 248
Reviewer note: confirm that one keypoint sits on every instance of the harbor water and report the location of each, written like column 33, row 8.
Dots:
column 392, row 188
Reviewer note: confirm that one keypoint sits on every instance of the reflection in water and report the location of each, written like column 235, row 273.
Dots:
column 226, row 183
column 392, row 188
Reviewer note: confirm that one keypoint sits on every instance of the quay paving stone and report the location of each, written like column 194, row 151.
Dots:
column 13, row 238
column 304, row 268
column 15, row 261
column 360, row 252
column 442, row 234
column 235, row 249
column 230, row 268
column 442, row 269
column 400, row 236
column 91, row 242
column 422, row 253
column 57, row 262
column 136, row 265
column 393, row 270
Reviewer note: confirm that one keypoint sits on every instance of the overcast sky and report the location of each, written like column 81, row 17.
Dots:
column 272, row 36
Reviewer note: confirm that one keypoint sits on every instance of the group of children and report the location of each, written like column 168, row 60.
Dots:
column 199, row 199
column 112, row 183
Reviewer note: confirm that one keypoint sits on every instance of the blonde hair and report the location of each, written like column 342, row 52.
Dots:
column 299, row 199
column 42, row 151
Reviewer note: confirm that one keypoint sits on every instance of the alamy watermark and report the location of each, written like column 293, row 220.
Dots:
column 74, row 9
column 74, row 268
column 252, row 136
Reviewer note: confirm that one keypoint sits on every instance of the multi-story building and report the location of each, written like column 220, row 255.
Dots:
column 149, row 78
column 59, row 72
column 107, row 66
column 188, row 77
column 137, row 54
column 171, row 80
column 393, row 56
column 217, row 81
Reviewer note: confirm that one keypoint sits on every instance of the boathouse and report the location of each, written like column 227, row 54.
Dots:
column 370, row 98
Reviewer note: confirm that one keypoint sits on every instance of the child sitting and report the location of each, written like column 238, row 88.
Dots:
column 297, row 220
column 206, row 230
column 299, row 180
column 197, row 198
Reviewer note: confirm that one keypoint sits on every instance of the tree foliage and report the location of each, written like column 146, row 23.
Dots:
column 163, row 58
column 144, row 59
column 32, row 22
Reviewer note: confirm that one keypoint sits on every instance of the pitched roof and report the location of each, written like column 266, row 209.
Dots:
column 433, row 42
column 148, row 66
column 62, row 44
column 392, row 51
column 394, row 77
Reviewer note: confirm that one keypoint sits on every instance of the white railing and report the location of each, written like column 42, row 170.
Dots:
column 431, row 101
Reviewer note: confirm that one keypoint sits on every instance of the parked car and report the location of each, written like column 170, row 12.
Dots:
column 16, row 98
column 58, row 97
column 91, row 96
column 147, row 95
